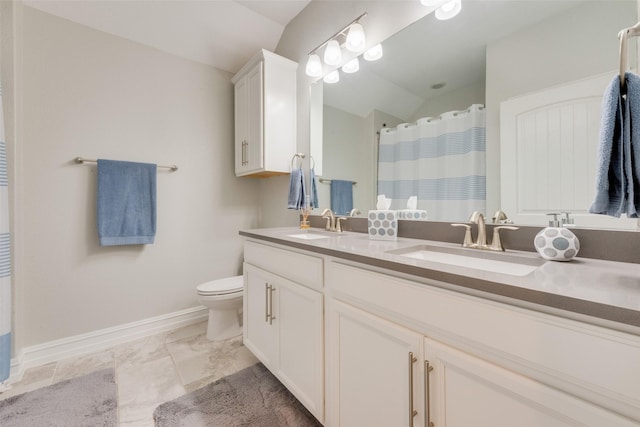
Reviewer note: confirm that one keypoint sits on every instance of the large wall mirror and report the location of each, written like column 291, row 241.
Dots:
column 493, row 52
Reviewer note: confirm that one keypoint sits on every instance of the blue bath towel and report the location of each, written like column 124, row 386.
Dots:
column 341, row 196
column 314, row 189
column 297, row 190
column 618, row 174
column 126, row 203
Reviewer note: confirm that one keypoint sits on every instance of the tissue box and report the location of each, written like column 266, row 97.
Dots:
column 413, row 214
column 383, row 225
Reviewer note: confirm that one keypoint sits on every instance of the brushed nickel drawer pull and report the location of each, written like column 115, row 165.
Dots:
column 412, row 412
column 427, row 405
column 267, row 315
column 271, row 316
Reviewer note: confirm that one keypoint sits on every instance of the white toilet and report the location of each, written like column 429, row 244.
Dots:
column 223, row 298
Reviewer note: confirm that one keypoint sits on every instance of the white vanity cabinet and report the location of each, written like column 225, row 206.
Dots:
column 375, row 370
column 478, row 362
column 283, row 319
column 265, row 115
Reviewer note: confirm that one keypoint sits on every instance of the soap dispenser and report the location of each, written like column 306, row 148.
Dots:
column 556, row 243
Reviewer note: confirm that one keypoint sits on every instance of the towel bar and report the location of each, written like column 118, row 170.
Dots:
column 83, row 160
column 328, row 181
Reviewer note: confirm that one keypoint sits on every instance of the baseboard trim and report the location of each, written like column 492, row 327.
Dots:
column 102, row 339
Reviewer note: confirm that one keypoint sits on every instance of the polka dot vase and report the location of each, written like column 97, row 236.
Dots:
column 556, row 244
column 383, row 225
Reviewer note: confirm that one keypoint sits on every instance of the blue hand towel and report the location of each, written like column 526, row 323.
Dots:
column 610, row 180
column 618, row 174
column 314, row 189
column 297, row 190
column 341, row 196
column 126, row 203
column 632, row 160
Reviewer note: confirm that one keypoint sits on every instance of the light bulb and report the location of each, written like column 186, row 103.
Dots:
column 351, row 66
column 449, row 9
column 314, row 66
column 332, row 53
column 374, row 53
column 356, row 41
column 332, row 77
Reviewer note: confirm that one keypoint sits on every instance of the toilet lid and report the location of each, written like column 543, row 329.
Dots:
column 224, row 286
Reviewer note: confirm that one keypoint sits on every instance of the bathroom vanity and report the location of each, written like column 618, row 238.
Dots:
column 377, row 333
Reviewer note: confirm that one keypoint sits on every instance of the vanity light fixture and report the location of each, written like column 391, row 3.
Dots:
column 351, row 66
column 374, row 53
column 356, row 41
column 314, row 66
column 333, row 53
column 351, row 36
column 446, row 9
column 332, row 77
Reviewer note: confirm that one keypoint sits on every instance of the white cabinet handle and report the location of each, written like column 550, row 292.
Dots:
column 412, row 412
column 427, row 404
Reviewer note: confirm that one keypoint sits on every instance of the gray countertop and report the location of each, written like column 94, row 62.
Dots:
column 596, row 291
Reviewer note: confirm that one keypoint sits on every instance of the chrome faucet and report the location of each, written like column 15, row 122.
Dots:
column 481, row 240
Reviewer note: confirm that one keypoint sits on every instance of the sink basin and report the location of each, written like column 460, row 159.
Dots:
column 495, row 262
column 308, row 236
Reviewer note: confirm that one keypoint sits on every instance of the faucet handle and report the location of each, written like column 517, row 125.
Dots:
column 496, row 242
column 468, row 240
column 339, row 223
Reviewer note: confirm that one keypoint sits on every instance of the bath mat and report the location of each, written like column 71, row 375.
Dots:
column 87, row 401
column 252, row 397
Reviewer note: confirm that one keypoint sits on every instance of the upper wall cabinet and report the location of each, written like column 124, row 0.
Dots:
column 265, row 115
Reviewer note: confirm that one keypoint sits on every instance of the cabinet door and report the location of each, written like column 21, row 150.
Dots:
column 375, row 373
column 465, row 391
column 259, row 334
column 299, row 319
column 249, row 92
column 241, row 114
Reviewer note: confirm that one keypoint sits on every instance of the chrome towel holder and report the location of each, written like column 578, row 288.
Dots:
column 82, row 160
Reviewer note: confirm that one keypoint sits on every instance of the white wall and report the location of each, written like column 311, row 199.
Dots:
column 455, row 100
column 87, row 93
column 574, row 45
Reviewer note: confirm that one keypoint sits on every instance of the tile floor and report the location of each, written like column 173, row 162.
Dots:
column 149, row 371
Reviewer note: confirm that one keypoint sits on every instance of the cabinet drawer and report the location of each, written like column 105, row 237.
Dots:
column 596, row 363
column 304, row 269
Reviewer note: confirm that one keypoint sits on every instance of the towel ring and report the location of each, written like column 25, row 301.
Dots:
column 623, row 36
column 298, row 156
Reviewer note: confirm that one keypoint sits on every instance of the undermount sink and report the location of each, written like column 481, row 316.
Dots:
column 308, row 236
column 495, row 262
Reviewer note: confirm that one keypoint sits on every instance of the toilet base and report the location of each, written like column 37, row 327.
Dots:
column 224, row 324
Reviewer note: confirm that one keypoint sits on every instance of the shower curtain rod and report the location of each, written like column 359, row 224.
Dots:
column 83, row 160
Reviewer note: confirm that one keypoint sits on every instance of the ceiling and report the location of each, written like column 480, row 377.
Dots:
column 221, row 33
column 430, row 52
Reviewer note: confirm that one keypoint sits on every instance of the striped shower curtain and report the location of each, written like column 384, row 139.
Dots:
column 440, row 160
column 5, row 258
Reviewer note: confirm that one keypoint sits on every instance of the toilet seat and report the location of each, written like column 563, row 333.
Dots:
column 226, row 286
